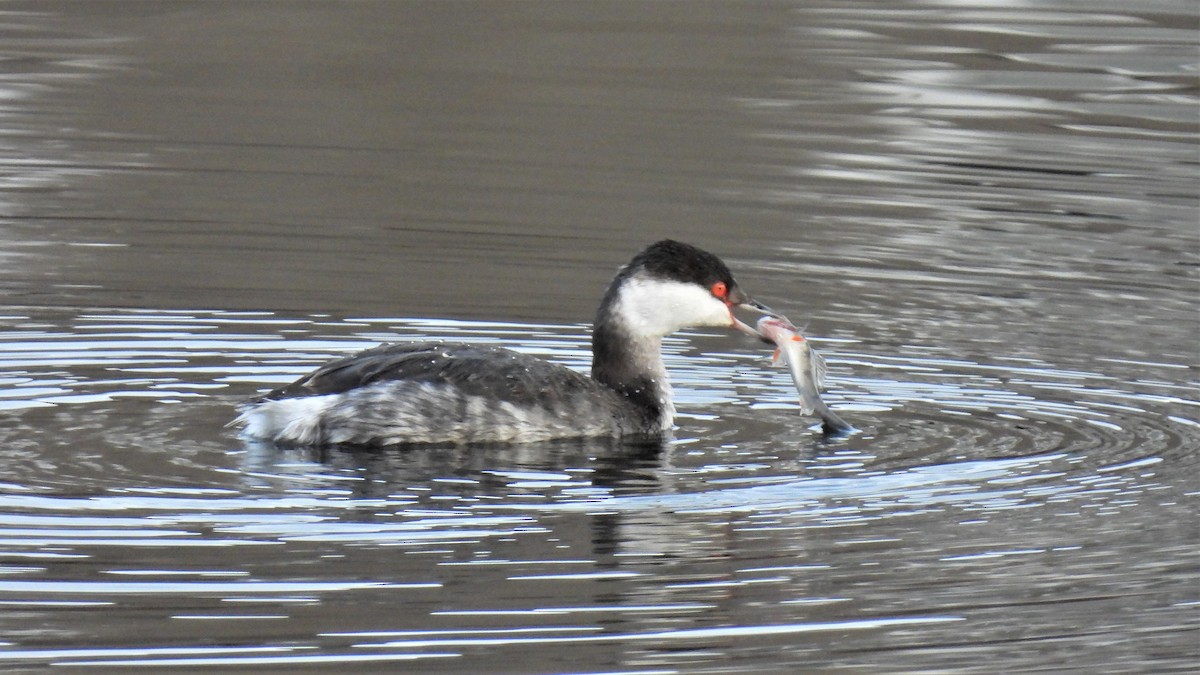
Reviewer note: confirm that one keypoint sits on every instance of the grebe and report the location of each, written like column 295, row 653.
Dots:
column 441, row 392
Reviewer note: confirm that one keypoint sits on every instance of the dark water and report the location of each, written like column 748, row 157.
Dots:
column 987, row 214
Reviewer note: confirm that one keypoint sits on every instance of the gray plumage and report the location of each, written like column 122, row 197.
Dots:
column 451, row 393
column 440, row 392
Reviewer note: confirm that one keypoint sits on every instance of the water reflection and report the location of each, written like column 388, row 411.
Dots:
column 630, row 542
column 987, row 212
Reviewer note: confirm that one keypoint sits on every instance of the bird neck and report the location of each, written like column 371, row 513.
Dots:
column 631, row 364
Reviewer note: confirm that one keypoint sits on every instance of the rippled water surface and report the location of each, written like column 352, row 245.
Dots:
column 985, row 214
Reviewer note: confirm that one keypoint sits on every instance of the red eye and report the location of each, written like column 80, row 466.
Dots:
column 720, row 290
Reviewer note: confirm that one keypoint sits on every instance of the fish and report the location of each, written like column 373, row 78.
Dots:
column 807, row 369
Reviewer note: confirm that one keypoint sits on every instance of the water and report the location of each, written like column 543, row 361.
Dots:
column 985, row 213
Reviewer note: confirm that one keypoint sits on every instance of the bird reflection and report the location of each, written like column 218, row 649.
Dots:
column 477, row 471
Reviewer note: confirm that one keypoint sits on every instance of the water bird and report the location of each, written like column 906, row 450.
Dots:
column 445, row 392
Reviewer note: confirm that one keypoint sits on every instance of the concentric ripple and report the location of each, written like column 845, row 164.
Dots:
column 123, row 491
column 156, row 381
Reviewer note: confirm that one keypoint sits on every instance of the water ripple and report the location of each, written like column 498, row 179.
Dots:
column 986, row 212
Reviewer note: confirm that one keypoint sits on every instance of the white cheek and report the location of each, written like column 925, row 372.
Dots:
column 657, row 307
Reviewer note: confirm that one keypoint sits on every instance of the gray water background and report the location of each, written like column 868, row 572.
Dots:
column 986, row 214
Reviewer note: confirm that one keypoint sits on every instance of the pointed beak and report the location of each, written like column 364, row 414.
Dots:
column 740, row 299
column 737, row 298
column 757, row 306
column 745, row 327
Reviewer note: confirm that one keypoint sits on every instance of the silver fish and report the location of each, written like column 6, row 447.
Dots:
column 807, row 369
